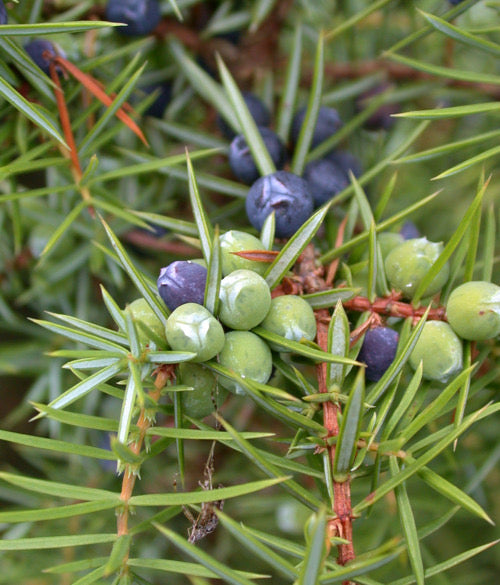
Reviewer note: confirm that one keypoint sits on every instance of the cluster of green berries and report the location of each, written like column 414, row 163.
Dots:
column 244, row 303
column 473, row 313
column 472, row 310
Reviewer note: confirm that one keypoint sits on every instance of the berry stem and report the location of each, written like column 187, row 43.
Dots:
column 392, row 307
column 163, row 375
column 341, row 524
column 71, row 151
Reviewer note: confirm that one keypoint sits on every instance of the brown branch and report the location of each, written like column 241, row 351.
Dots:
column 341, row 524
column 146, row 240
column 95, row 88
column 397, row 72
column 163, row 375
column 71, row 151
column 332, row 269
column 392, row 307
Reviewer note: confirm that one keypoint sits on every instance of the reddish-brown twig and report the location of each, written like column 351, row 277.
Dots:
column 96, row 89
column 163, row 375
column 341, row 524
column 71, row 151
column 391, row 306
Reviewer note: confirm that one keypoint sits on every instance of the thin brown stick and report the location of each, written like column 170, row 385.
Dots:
column 95, row 88
column 332, row 269
column 65, row 119
column 71, row 151
column 163, row 375
column 146, row 240
column 397, row 72
column 341, row 524
column 394, row 308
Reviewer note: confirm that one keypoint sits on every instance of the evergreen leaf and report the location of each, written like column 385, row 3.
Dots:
column 32, row 111
column 289, row 94
column 222, row 571
column 55, row 513
column 312, row 564
column 256, row 548
column 348, row 436
column 294, row 247
column 311, row 116
column 45, row 542
column 61, row 490
column 260, row 460
column 205, row 229
column 198, row 497
column 247, row 125
column 461, row 35
column 136, row 277
column 407, row 521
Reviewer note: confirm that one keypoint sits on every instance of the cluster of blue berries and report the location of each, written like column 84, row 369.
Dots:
column 292, row 198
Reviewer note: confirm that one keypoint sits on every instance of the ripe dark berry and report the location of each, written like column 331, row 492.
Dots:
column 241, row 160
column 284, row 193
column 345, row 160
column 327, row 123
column 39, row 50
column 182, row 282
column 325, row 180
column 140, row 16
column 409, row 231
column 378, row 351
column 257, row 109
column 157, row 231
column 3, row 13
column 164, row 93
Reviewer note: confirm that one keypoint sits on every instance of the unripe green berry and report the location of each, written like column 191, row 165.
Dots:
column 206, row 393
column 440, row 350
column 388, row 241
column 237, row 241
column 245, row 299
column 191, row 327
column 407, row 264
column 247, row 355
column 145, row 319
column 473, row 310
column 292, row 317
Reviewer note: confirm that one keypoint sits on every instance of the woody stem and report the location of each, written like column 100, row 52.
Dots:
column 341, row 524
